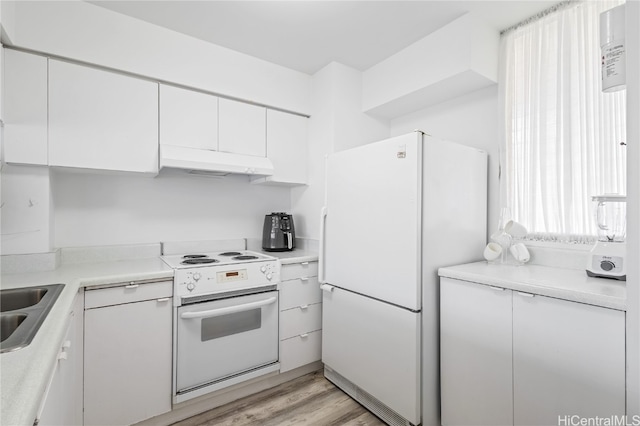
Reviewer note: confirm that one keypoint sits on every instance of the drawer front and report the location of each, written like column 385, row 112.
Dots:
column 296, row 321
column 299, row 292
column 299, row 270
column 300, row 350
column 127, row 294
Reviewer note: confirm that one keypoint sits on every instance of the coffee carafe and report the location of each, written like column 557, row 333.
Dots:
column 278, row 232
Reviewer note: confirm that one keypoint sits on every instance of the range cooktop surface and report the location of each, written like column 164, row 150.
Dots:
column 191, row 260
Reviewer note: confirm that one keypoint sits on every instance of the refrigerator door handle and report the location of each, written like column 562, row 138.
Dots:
column 323, row 219
column 326, row 287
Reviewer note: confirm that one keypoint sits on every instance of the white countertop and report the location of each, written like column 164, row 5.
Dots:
column 568, row 284
column 25, row 372
column 294, row 256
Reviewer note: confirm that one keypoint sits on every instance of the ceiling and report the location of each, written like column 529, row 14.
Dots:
column 307, row 35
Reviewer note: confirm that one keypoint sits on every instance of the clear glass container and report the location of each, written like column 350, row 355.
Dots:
column 611, row 217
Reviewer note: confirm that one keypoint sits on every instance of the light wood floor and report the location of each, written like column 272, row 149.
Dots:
column 308, row 400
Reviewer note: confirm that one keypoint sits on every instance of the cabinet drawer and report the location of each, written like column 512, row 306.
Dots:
column 300, row 350
column 298, row 321
column 299, row 270
column 294, row 293
column 133, row 292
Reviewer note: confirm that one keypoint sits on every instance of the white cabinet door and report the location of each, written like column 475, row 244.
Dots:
column 25, row 108
column 287, row 147
column 127, row 362
column 568, row 359
column 63, row 403
column 101, row 120
column 475, row 354
column 242, row 128
column 188, row 118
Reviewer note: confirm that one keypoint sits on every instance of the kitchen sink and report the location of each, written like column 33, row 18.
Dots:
column 10, row 323
column 22, row 312
column 20, row 298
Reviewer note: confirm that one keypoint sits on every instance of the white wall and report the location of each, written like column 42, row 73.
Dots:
column 470, row 120
column 7, row 20
column 94, row 209
column 82, row 31
column 26, row 210
column 336, row 123
column 633, row 196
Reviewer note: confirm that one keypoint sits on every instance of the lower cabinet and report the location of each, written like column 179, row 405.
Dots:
column 476, row 356
column 568, row 359
column 128, row 340
column 300, row 315
column 62, row 402
column 509, row 357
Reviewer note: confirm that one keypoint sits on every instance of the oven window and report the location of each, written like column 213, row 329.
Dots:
column 227, row 325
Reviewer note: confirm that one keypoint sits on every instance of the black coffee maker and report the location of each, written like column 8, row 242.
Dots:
column 278, row 232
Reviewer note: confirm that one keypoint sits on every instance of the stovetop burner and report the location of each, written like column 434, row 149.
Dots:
column 199, row 261
column 245, row 257
column 194, row 256
column 230, row 253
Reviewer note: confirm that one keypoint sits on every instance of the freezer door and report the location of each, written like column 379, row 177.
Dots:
column 375, row 345
column 372, row 229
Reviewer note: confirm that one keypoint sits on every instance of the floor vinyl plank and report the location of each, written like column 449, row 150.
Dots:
column 307, row 400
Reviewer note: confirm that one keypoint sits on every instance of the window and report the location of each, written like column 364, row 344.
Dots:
column 563, row 136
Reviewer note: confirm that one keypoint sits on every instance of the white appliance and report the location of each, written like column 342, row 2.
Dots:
column 607, row 257
column 396, row 210
column 225, row 320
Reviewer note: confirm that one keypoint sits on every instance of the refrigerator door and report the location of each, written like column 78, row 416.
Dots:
column 372, row 229
column 375, row 346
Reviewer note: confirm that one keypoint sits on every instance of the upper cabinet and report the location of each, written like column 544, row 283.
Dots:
column 25, row 108
column 188, row 118
column 242, row 128
column 63, row 114
column 286, row 148
column 101, row 120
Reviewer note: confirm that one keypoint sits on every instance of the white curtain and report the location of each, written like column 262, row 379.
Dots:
column 563, row 135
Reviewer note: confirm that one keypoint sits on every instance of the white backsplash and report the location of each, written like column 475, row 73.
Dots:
column 564, row 256
column 109, row 253
column 37, row 262
column 194, row 247
column 307, row 244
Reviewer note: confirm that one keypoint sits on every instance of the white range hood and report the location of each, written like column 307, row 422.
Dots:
column 214, row 162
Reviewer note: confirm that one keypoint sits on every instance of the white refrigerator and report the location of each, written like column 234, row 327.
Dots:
column 396, row 211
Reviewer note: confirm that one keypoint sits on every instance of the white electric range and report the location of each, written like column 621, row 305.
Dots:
column 225, row 319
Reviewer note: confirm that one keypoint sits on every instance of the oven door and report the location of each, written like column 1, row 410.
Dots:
column 223, row 338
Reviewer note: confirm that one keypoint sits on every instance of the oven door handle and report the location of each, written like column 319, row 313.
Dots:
column 228, row 309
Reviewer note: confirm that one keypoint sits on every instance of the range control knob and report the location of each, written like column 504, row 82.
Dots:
column 191, row 286
column 263, row 269
column 197, row 276
column 607, row 265
column 269, row 276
